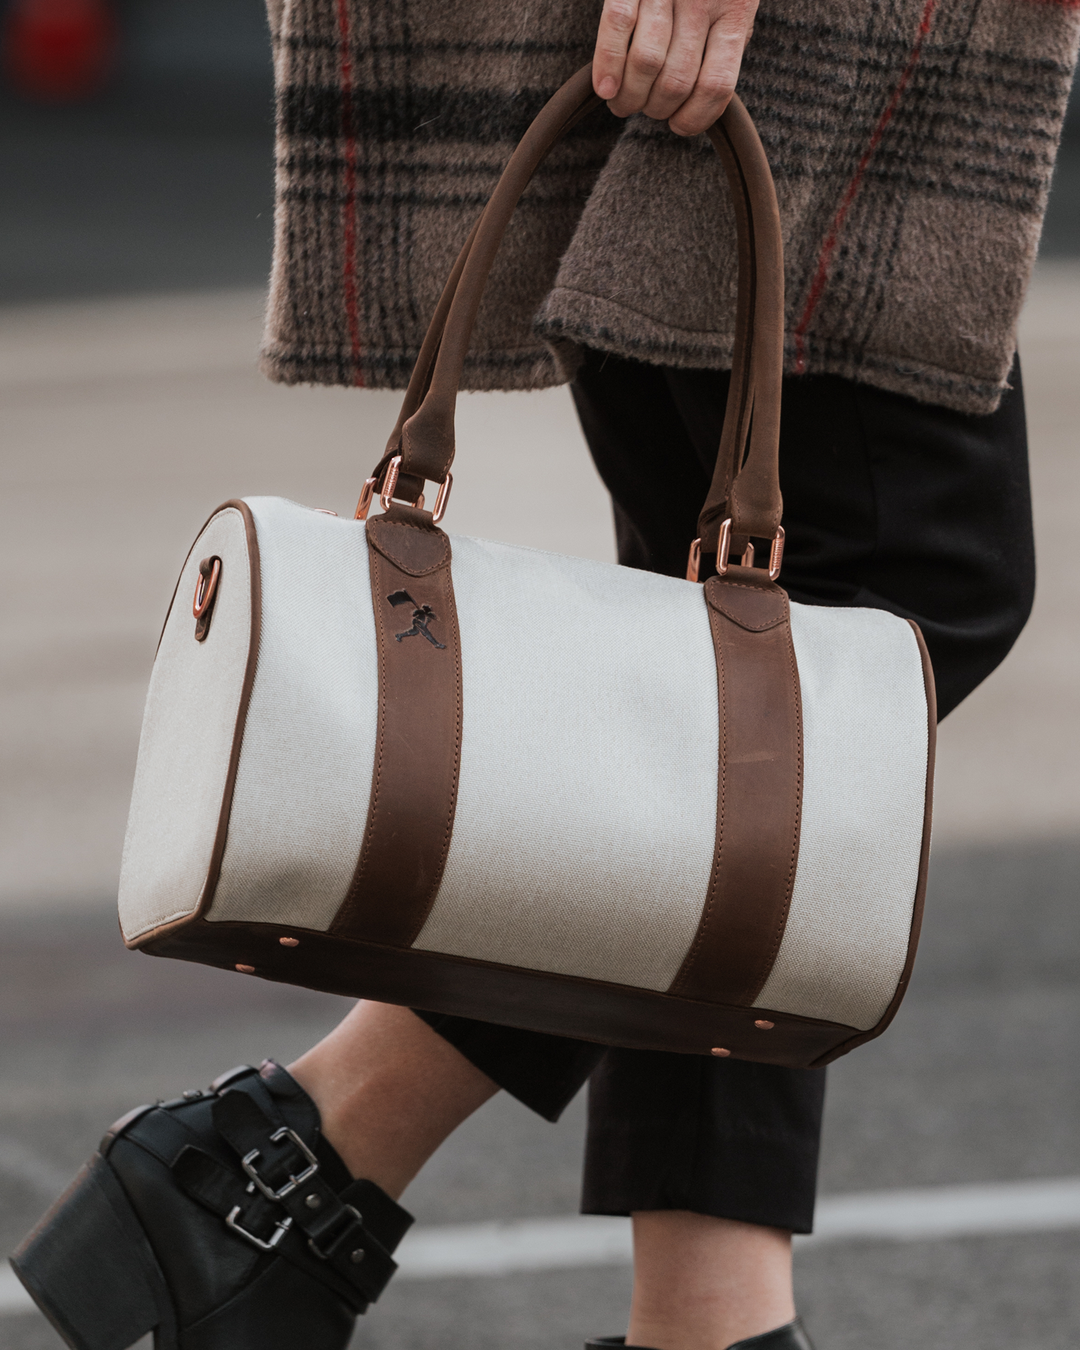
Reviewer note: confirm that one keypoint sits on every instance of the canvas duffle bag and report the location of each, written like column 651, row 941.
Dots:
column 541, row 791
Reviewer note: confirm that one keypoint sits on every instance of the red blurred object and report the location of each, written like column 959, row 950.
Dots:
column 59, row 50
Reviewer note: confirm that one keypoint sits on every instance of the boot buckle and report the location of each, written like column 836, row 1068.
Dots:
column 248, row 1164
column 280, row 1229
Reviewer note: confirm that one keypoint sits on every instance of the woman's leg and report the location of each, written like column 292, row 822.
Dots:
column 392, row 1084
column 717, row 1162
column 715, row 1159
column 389, row 1091
column 702, row 1283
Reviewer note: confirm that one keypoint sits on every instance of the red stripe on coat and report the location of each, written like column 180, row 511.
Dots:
column 821, row 274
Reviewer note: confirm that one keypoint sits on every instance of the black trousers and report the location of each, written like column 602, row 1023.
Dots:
column 888, row 503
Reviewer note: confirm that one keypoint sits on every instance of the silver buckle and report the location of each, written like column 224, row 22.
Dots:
column 280, row 1229
column 248, row 1164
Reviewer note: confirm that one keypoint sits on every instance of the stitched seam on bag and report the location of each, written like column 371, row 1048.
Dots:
column 451, row 608
column 365, row 854
column 781, row 926
column 683, row 977
column 750, row 628
column 402, row 567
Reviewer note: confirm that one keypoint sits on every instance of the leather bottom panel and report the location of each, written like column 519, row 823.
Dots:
column 560, row 1005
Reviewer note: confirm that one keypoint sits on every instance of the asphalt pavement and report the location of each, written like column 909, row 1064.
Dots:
column 976, row 1081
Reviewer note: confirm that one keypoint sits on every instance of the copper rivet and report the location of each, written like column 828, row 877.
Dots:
column 246, row 970
column 764, row 1026
column 312, row 1201
column 357, row 1256
column 719, row 1050
column 289, row 942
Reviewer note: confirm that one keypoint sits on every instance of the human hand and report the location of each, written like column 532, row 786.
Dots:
column 675, row 60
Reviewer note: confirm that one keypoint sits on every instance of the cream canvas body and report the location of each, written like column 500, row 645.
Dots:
column 586, row 812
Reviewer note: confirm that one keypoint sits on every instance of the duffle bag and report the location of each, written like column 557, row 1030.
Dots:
column 557, row 794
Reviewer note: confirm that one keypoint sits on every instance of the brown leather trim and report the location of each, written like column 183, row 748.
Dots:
column 218, row 852
column 418, row 745
column 924, row 865
column 609, row 1014
column 745, row 483
column 745, row 486
column 759, row 795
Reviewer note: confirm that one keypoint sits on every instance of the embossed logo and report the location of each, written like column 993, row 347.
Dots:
column 422, row 615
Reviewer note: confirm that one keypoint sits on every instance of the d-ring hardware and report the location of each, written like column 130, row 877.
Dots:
column 776, row 551
column 693, row 564
column 206, row 588
column 367, row 494
column 393, row 472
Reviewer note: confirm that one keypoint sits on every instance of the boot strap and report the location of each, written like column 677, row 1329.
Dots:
column 283, row 1202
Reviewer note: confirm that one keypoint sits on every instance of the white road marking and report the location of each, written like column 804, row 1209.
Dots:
column 922, row 1213
column 1041, row 1206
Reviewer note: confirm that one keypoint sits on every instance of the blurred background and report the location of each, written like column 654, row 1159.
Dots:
column 135, row 232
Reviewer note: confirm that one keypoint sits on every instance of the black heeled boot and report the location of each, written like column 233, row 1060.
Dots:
column 791, row 1336
column 221, row 1220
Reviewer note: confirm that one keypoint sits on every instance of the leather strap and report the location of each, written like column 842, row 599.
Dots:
column 418, row 744
column 746, row 482
column 759, row 798
column 751, row 497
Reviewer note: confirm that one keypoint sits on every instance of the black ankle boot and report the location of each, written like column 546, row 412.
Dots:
column 221, row 1220
column 791, row 1336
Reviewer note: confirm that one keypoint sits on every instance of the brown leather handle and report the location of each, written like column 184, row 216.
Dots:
column 745, row 485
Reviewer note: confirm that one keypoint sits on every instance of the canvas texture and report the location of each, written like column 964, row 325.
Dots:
column 865, row 745
column 912, row 144
column 300, row 802
column 187, row 736
column 586, row 814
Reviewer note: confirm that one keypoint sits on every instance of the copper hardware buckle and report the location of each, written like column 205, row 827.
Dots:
column 693, row 565
column 247, row 1162
column 393, row 471
column 776, row 552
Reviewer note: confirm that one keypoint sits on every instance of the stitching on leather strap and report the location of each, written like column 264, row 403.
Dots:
column 757, row 832
column 414, row 790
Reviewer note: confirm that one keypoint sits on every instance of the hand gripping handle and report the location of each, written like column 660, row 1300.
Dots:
column 745, row 486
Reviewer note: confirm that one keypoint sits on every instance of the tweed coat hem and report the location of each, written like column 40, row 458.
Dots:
column 912, row 143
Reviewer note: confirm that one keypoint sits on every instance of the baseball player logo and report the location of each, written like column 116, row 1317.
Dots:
column 421, row 617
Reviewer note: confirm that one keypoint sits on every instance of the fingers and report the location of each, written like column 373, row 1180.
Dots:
column 675, row 81
column 671, row 59
column 646, row 57
column 617, row 23
column 718, row 73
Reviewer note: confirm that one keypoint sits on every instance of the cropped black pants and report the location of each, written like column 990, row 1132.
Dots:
column 888, row 503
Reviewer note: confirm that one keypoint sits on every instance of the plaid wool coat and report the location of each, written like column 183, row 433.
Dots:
column 912, row 143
